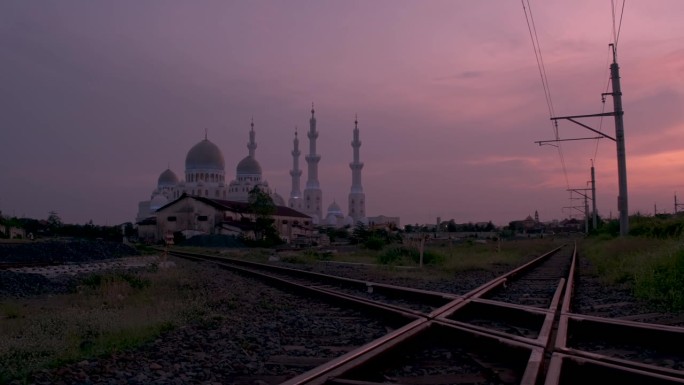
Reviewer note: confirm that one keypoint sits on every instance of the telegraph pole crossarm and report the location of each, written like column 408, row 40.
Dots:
column 572, row 119
column 586, row 198
column 677, row 205
column 541, row 142
column 578, row 191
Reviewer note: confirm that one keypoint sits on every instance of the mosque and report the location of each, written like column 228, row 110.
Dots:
column 205, row 180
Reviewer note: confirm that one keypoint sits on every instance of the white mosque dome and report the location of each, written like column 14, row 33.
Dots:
column 167, row 179
column 335, row 209
column 248, row 166
column 204, row 155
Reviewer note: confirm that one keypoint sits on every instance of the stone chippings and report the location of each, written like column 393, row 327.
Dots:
column 592, row 297
column 13, row 284
column 251, row 335
column 258, row 325
column 71, row 251
column 459, row 283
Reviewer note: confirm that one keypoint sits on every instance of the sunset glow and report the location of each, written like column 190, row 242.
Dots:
column 98, row 98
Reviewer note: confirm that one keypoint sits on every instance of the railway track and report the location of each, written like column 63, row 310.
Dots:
column 516, row 329
column 402, row 300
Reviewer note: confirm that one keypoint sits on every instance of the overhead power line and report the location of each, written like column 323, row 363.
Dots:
column 616, row 34
column 544, row 79
column 611, row 54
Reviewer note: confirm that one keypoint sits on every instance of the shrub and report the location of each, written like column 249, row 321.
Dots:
column 374, row 243
column 656, row 227
column 652, row 268
column 429, row 257
column 396, row 254
column 661, row 284
column 391, row 256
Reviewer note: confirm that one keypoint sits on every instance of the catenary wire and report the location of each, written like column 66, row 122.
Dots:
column 545, row 83
column 616, row 36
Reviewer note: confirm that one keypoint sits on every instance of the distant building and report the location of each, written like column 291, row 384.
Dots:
column 335, row 217
column 571, row 225
column 529, row 223
column 384, row 221
column 12, row 232
column 193, row 215
column 205, row 178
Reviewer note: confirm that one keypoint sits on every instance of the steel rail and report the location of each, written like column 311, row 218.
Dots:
column 357, row 301
column 450, row 308
column 587, row 370
column 321, row 290
column 626, row 331
column 636, row 333
column 431, row 296
column 319, row 375
column 367, row 352
column 548, row 353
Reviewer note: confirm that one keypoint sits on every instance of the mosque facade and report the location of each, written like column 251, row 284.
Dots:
column 205, row 178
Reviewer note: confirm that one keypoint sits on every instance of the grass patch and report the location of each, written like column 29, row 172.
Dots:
column 652, row 268
column 402, row 255
column 448, row 255
column 469, row 255
column 107, row 313
column 453, row 257
column 10, row 310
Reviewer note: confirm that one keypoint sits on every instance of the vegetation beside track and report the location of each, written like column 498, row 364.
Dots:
column 469, row 255
column 107, row 312
column 649, row 262
column 653, row 268
column 440, row 256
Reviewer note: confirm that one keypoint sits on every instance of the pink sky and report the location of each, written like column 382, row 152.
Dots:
column 97, row 98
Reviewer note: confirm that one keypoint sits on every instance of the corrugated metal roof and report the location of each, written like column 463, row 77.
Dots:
column 241, row 207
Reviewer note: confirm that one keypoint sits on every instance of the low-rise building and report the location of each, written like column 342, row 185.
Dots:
column 382, row 221
column 192, row 215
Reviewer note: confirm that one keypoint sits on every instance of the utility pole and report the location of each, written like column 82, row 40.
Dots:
column 677, row 205
column 593, row 196
column 586, row 215
column 623, row 206
column 582, row 192
column 579, row 209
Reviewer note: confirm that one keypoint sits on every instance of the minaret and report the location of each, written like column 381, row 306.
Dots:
column 295, row 200
column 251, row 146
column 313, row 196
column 357, row 199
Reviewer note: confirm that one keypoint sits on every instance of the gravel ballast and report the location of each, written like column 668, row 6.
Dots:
column 260, row 335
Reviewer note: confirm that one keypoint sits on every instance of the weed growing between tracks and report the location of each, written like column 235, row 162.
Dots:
column 107, row 312
column 468, row 255
column 652, row 268
column 447, row 256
